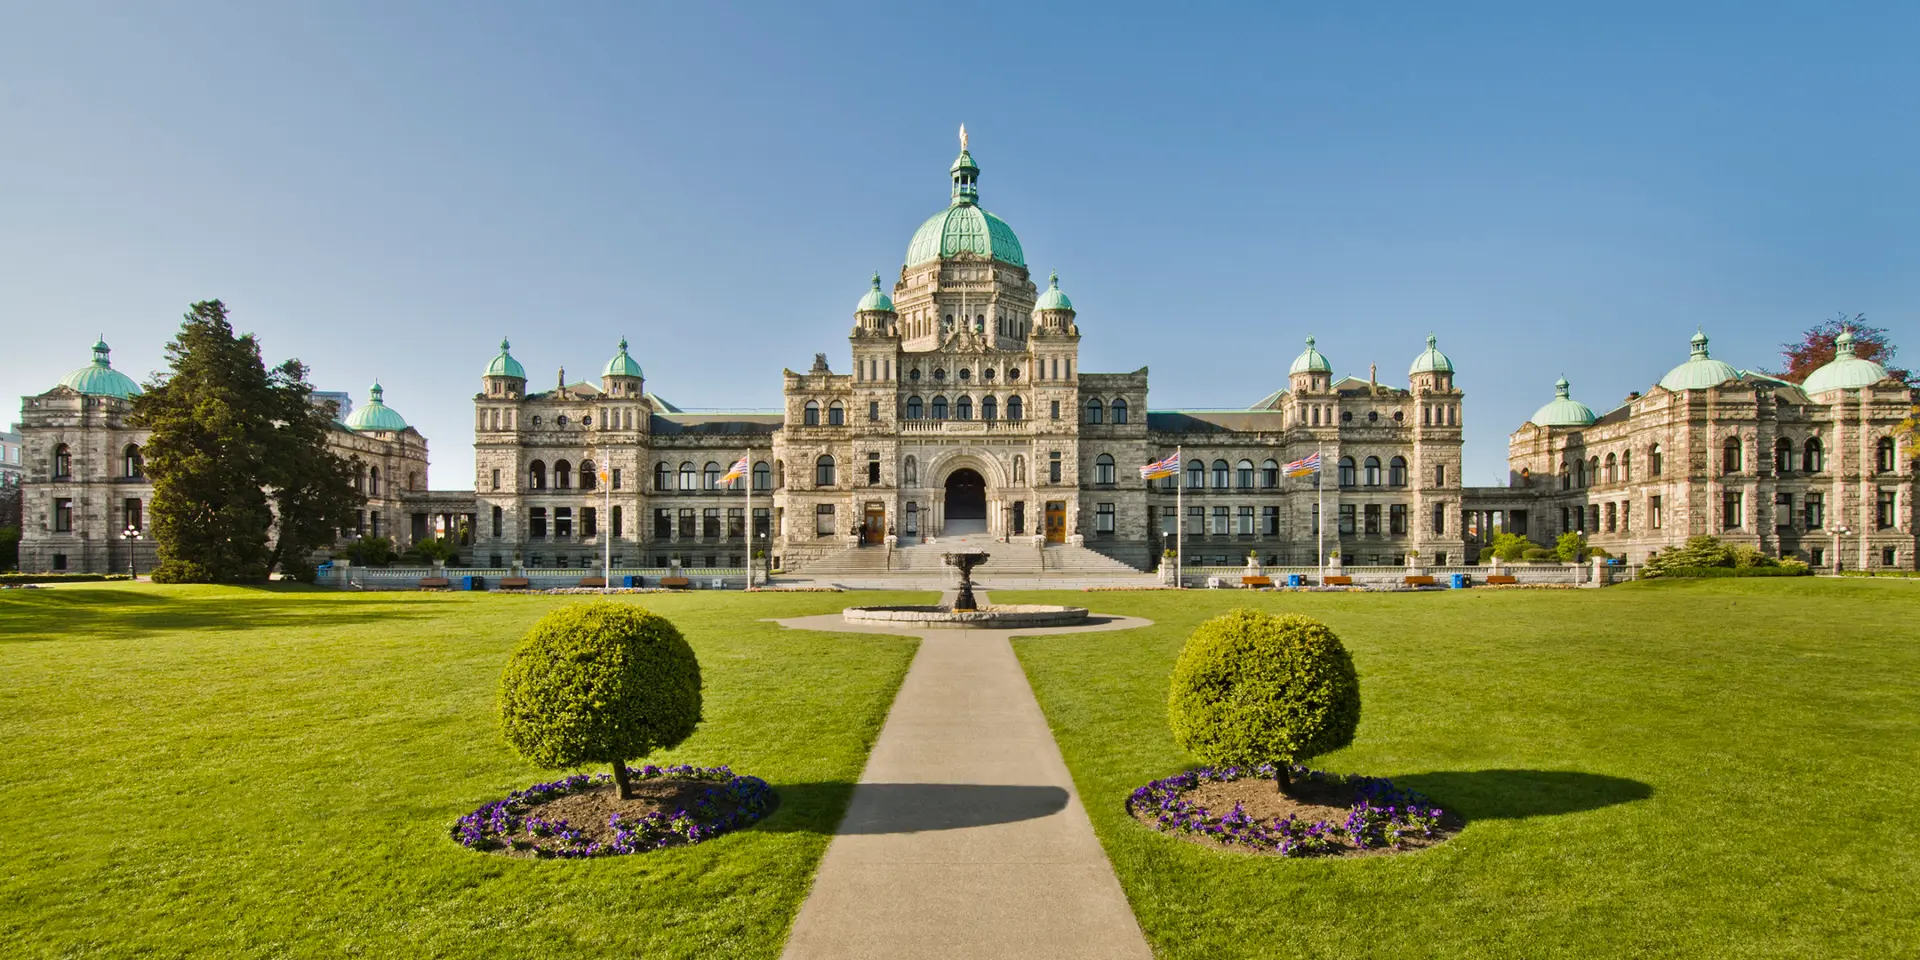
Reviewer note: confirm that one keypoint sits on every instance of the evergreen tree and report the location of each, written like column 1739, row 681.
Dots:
column 312, row 486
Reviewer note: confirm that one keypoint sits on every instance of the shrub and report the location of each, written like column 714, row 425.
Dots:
column 9, row 547
column 437, row 550
column 1748, row 556
column 599, row 682
column 1252, row 688
column 1511, row 546
column 61, row 577
column 369, row 551
column 1684, row 573
column 1697, row 552
column 1571, row 547
column 1486, row 554
column 1538, row 555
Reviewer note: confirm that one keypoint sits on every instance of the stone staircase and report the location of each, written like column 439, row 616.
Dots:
column 1019, row 560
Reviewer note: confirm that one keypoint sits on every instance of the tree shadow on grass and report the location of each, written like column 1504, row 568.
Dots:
column 77, row 613
column 882, row 808
column 1518, row 794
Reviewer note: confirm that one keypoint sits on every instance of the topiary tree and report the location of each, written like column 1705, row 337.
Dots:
column 599, row 682
column 1252, row 688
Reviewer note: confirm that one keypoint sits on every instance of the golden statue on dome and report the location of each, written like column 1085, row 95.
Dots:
column 963, row 138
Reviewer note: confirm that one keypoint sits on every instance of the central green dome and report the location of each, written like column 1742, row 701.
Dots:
column 376, row 415
column 963, row 227
column 1701, row 371
column 1563, row 410
column 99, row 378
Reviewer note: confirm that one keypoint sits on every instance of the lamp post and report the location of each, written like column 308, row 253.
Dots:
column 131, row 534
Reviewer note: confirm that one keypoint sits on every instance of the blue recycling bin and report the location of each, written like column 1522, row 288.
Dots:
column 1296, row 579
column 1458, row 581
column 629, row 581
column 473, row 583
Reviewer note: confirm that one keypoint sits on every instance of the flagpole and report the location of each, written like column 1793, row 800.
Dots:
column 749, row 531
column 1179, row 516
column 1320, row 510
column 606, row 535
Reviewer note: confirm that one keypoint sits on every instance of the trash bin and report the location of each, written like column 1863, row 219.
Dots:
column 629, row 581
column 473, row 583
column 1296, row 579
column 1457, row 581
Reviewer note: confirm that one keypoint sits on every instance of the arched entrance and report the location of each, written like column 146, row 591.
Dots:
column 966, row 503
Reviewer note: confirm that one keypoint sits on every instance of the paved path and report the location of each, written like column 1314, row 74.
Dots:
column 965, row 837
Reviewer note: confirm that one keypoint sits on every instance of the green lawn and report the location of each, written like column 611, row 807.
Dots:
column 1719, row 768
column 215, row 772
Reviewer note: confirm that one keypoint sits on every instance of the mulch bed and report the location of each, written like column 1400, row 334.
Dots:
column 1321, row 815
column 582, row 816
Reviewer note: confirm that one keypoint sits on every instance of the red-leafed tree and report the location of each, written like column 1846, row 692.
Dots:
column 1816, row 350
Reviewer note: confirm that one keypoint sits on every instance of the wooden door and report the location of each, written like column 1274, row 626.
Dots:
column 873, row 528
column 1056, row 521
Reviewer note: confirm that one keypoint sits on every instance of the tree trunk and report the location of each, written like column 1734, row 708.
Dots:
column 621, row 785
column 1282, row 778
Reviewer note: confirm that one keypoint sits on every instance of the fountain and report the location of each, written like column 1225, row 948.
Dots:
column 965, row 611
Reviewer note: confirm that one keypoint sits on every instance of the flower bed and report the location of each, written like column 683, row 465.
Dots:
column 703, row 803
column 1324, row 814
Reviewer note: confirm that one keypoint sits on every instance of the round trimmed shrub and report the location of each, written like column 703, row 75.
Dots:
column 1252, row 688
column 599, row 682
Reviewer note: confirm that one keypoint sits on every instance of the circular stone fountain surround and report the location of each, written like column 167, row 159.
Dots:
column 964, row 613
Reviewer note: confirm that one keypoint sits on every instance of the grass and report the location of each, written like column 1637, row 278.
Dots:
column 1687, row 769
column 200, row 772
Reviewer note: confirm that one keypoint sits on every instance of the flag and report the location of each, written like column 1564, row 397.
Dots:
column 1162, row 468
column 1304, row 466
column 738, row 470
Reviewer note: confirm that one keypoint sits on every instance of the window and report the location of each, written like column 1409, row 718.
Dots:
column 1243, row 474
column 1054, row 410
column 1439, row 474
column 873, row 411
column 836, row 414
column 1270, row 521
column 1372, row 468
column 823, row 520
column 1815, row 508
column 914, row 408
column 562, row 523
column 1439, row 518
column 588, row 477
column 1566, row 481
column 589, row 522
column 1346, row 472
column 1397, row 472
column 1222, row 521
column 910, row 472
column 1103, row 472
column 1397, row 519
column 1103, row 519
column 499, row 523
column 1730, row 456
column 1819, row 557
column 1883, row 455
column 1014, row 409
column 1243, row 521
column 1653, row 508
column 1219, row 474
column 1783, row 456
column 1593, row 518
column 762, row 476
column 619, row 526
column 1269, row 474
column 1373, row 518
column 1626, row 466
column 689, row 476
column 373, row 481
column 762, row 523
column 873, row 469
column 689, row 523
column 1813, row 458
column 963, row 408
column 939, row 408
column 1196, row 474
column 1613, row 469
column 989, row 408
column 562, row 476
column 710, row 523
column 537, row 475
column 736, row 522
column 1883, row 510
column 495, row 479
column 1730, row 511
column 1783, row 509
column 1053, row 467
column 1119, row 411
column 662, row 524
column 1613, row 518
column 1348, row 513
column 662, row 477
column 1593, row 471
column 537, row 523
column 1653, row 460
column 823, row 471
column 811, row 414
column 63, row 515
column 1889, row 557
column 62, row 462
column 1095, row 412
column 130, row 463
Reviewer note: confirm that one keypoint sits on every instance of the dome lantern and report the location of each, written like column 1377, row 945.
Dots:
column 963, row 227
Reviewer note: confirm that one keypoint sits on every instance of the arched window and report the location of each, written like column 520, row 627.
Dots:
column 587, row 478
column 1346, row 472
column 1372, row 468
column 1883, row 456
column 1095, row 412
column 360, row 479
column 1613, row 469
column 989, row 408
column 1014, row 410
column 811, row 415
column 1243, row 475
column 62, row 462
column 1653, row 460
column 562, row 476
column 1814, row 456
column 1730, row 456
column 1397, row 472
column 1579, row 473
column 662, row 477
column 689, row 476
column 537, row 475
column 1119, row 410
column 1593, row 470
column 1566, row 479
column 910, row 472
column 939, row 408
column 963, row 408
column 1783, row 455
column 1219, row 474
column 1103, row 472
column 836, row 414
column 823, row 471
column 131, row 465
column 914, row 408
column 1626, row 466
column 1269, row 474
column 710, row 476
column 1196, row 474
column 373, row 482
column 762, row 476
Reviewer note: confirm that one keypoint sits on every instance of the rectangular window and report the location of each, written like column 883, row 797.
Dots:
column 873, row 411
column 590, row 522
column 1196, row 521
column 375, row 517
column 1626, row 522
column 1316, row 520
column 1243, row 521
column 499, row 524
column 1816, row 510
column 1373, row 518
column 710, row 523
column 1055, row 410
column 1103, row 519
column 1439, row 474
column 762, row 523
column 619, row 527
column 1167, row 519
column 1270, row 521
column 616, row 478
column 537, row 523
column 1613, row 518
column 1883, row 510
column 63, row 515
column 1653, row 508
column 1819, row 557
column 1783, row 509
column 1730, row 512
column 823, row 520
column 496, row 478
column 689, row 523
column 1593, row 517
column 1221, row 521
column 736, row 522
column 1349, row 515
column 562, row 522
column 1397, row 519
column 1889, row 557
column 131, row 508
column 662, row 524
column 1053, row 467
column 1439, row 518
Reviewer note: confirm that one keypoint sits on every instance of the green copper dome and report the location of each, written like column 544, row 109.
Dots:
column 876, row 299
column 1310, row 361
column 99, row 378
column 1845, row 371
column 1053, row 299
column 505, row 365
column 1564, row 411
column 621, row 365
column 1432, row 361
column 963, row 227
column 376, row 415
column 1700, row 372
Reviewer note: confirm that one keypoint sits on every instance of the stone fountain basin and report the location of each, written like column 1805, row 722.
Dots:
column 992, row 617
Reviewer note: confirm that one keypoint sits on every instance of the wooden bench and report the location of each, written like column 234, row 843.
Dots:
column 435, row 583
column 675, row 583
column 515, row 583
column 1500, row 578
column 592, row 582
column 1256, row 581
column 1419, row 581
column 1337, row 581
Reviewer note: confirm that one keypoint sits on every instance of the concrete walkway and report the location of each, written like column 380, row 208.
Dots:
column 965, row 837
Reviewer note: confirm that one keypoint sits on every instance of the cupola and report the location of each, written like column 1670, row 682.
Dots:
column 1563, row 410
column 1053, row 313
column 99, row 378
column 963, row 227
column 873, row 315
column 376, row 416
column 1845, row 371
column 1310, row 373
column 622, row 377
column 1701, row 371
column 505, row 377
column 1431, row 369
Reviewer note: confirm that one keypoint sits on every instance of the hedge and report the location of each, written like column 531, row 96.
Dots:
column 61, row 577
column 1688, row 573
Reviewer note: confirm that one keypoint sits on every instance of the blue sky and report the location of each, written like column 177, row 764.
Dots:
column 386, row 189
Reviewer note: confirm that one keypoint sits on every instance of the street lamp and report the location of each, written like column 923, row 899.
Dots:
column 131, row 534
